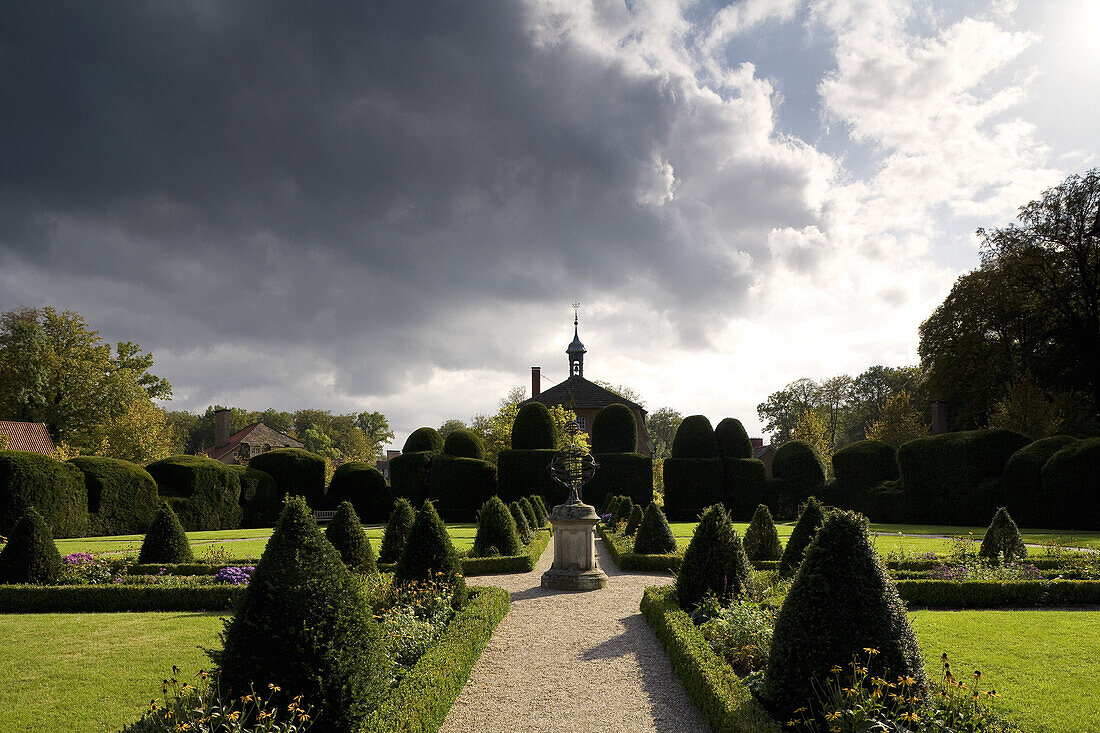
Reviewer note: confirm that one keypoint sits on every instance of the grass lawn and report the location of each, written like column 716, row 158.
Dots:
column 1045, row 664
column 93, row 672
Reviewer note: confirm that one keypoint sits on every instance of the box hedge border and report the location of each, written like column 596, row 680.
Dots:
column 710, row 682
column 627, row 560
column 998, row 593
column 115, row 598
column 474, row 566
column 426, row 693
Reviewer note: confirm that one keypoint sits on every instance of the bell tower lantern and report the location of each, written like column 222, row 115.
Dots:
column 576, row 350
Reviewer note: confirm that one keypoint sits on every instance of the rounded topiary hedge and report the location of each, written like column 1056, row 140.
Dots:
column 397, row 530
column 205, row 494
column 801, row 466
column 621, row 474
column 615, row 430
column 423, row 440
column 165, row 542
column 1071, row 486
column 691, row 485
column 122, row 496
column 523, row 472
column 694, row 439
column 260, row 500
column 55, row 489
column 732, row 439
column 296, row 472
column 365, row 487
column 654, row 535
column 496, row 531
column 866, row 463
column 410, row 476
column 1022, row 481
column 459, row 486
column 30, row 555
column 744, row 486
column 346, row 534
column 464, row 443
column 534, row 428
column 714, row 562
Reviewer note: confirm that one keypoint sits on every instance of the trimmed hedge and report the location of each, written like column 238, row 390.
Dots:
column 423, row 440
column 522, row 563
column 620, row 474
column 260, row 499
column 714, row 562
column 723, row 697
column 365, row 487
column 744, row 487
column 296, row 472
column 426, row 692
column 116, row 598
column 694, row 439
column 464, row 443
column 732, row 439
column 654, row 535
column 998, row 593
column 30, row 555
column 523, row 527
column 428, row 551
column 410, row 475
column 534, row 428
column 396, row 531
column 122, row 496
column 165, row 541
column 497, row 533
column 615, row 430
column 809, row 522
column 523, row 472
column 801, row 468
column 691, row 485
column 762, row 538
column 54, row 488
column 459, row 486
column 866, row 463
column 1071, row 486
column 203, row 492
column 346, row 534
column 628, row 560
column 1022, row 481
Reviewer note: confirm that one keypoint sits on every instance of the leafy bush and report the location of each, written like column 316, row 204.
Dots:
column 654, row 535
column 691, row 485
column 802, row 535
column 732, row 439
column 464, row 443
column 523, row 472
column 714, row 562
column 304, row 625
column 260, row 499
column 523, row 527
column 744, row 486
column 612, row 505
column 841, row 602
column 634, row 520
column 496, row 531
column 621, row 474
column 204, row 493
column 801, row 466
column 397, row 530
column 365, row 487
column 419, row 615
column 53, row 488
column 30, row 556
column 534, row 428
column 615, row 430
column 1002, row 539
column 694, row 439
column 346, row 534
column 429, row 553
column 1071, row 486
column 166, row 541
column 761, row 538
column 423, row 440
column 460, row 486
column 529, row 513
column 122, row 496
column 1022, row 482
column 866, row 463
column 410, row 476
column 539, row 506
column 740, row 633
column 297, row 472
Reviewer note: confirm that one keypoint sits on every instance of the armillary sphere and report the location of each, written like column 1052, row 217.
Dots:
column 573, row 466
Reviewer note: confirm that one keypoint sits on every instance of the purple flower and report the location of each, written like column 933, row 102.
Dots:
column 234, row 576
column 605, row 518
column 930, row 555
column 78, row 558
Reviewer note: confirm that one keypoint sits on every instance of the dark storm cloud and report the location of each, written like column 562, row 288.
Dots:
column 340, row 179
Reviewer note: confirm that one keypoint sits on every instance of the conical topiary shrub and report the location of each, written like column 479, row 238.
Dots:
column 166, row 542
column 842, row 602
column 540, row 511
column 714, row 561
column 622, row 510
column 537, row 499
column 634, row 520
column 523, row 528
column 30, row 555
column 654, row 535
column 612, row 506
column 801, row 537
column 1002, row 539
column 529, row 512
column 396, row 531
column 346, row 534
column 429, row 554
column 304, row 625
column 761, row 538
column 605, row 507
column 496, row 531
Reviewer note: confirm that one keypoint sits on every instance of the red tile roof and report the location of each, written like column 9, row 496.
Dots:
column 217, row 451
column 29, row 436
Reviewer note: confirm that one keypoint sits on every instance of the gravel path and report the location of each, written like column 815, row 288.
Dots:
column 584, row 662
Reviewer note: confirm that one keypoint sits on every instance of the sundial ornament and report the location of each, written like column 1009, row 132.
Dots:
column 573, row 466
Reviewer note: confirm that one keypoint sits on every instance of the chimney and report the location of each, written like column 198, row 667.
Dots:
column 939, row 418
column 757, row 443
column 221, row 427
column 391, row 454
column 536, row 381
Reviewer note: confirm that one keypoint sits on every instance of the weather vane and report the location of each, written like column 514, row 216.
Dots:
column 576, row 306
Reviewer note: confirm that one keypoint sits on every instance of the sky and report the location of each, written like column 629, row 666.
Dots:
column 392, row 205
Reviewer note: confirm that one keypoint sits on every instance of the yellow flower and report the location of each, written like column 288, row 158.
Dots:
column 870, row 650
column 273, row 686
column 835, row 715
column 836, row 669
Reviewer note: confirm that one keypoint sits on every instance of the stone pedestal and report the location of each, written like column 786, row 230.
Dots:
column 575, row 565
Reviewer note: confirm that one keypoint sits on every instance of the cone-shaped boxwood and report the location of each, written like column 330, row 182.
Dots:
column 634, row 520
column 304, row 625
column 1002, row 539
column 534, row 428
column 496, row 530
column 540, row 510
column 346, row 534
column 732, row 439
column 165, row 542
column 529, row 512
column 429, row 553
column 761, row 538
column 464, row 443
column 612, row 506
column 30, row 555
column 841, row 602
column 537, row 499
column 397, row 531
column 423, row 439
column 622, row 510
column 615, row 430
column 522, row 525
column 714, row 562
column 654, row 535
column 801, row 537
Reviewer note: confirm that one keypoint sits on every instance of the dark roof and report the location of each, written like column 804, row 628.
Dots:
column 28, row 436
column 217, row 452
column 578, row 392
column 762, row 450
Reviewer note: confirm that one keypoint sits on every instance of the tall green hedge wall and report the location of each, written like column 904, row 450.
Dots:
column 122, row 496
column 615, row 430
column 621, row 474
column 1022, row 481
column 54, row 488
column 296, row 472
column 1071, row 486
column 744, row 487
column 409, row 476
column 691, row 485
column 859, row 468
column 204, row 493
column 732, row 440
column 534, row 428
column 524, row 472
column 365, row 487
column 459, row 486
column 260, row 500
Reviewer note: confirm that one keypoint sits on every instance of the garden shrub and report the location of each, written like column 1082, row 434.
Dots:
column 165, row 542
column 423, row 440
column 634, row 520
column 612, row 505
column 694, row 439
column 111, row 598
column 428, row 551
column 842, row 601
column 304, row 625
column 523, row 527
column 464, row 443
column 122, row 496
column 365, row 487
column 622, row 510
column 802, row 535
column 346, row 534
column 714, row 562
column 1071, row 486
column 615, row 430
column 1022, row 481
column 205, row 494
column 30, row 556
column 534, row 428
column 523, row 472
column 529, row 513
column 744, row 486
column 621, row 474
column 410, row 475
column 396, row 531
column 496, row 531
column 541, row 514
column 884, row 503
column 801, row 468
column 732, row 440
column 460, row 486
column 260, row 499
column 866, row 463
column 1002, row 539
column 297, row 472
column 55, row 489
column 761, row 538
column 691, row 485
column 605, row 505
column 654, row 535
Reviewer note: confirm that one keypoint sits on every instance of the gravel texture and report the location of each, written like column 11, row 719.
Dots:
column 562, row 661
